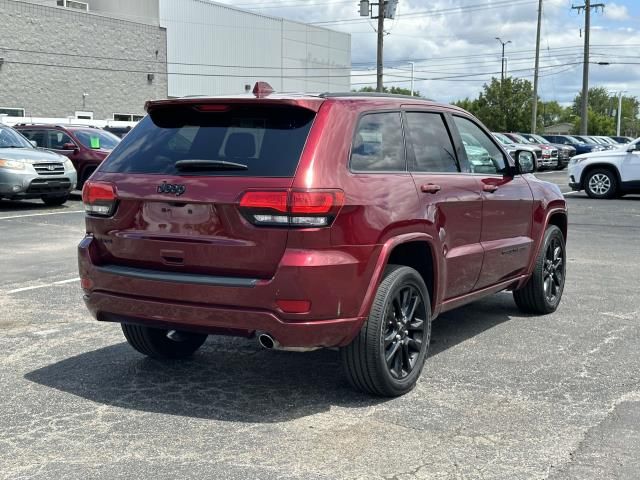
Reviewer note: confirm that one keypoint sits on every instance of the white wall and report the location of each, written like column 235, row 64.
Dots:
column 230, row 48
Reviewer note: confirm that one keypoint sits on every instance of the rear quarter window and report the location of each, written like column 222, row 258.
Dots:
column 378, row 145
column 268, row 140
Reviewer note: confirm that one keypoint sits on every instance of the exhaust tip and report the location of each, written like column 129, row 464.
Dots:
column 266, row 341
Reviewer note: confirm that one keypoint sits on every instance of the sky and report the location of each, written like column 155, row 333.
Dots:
column 453, row 45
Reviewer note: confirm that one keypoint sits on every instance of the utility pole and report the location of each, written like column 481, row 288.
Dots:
column 585, row 67
column 534, row 109
column 503, row 59
column 379, row 86
column 386, row 9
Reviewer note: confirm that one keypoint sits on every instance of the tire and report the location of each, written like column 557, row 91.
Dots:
column 154, row 342
column 390, row 329
column 601, row 183
column 85, row 176
column 534, row 297
column 55, row 201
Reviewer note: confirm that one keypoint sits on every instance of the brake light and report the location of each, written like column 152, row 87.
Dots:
column 99, row 198
column 315, row 202
column 212, row 107
column 265, row 200
column 315, row 208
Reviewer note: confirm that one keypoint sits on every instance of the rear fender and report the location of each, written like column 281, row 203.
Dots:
column 539, row 240
column 382, row 262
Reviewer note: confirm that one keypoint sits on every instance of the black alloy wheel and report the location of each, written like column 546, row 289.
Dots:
column 543, row 291
column 404, row 332
column 553, row 270
column 388, row 354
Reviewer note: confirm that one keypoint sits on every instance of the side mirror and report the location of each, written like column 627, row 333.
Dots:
column 69, row 146
column 632, row 148
column 525, row 162
column 34, row 143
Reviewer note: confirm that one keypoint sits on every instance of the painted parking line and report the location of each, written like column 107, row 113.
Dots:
column 570, row 193
column 35, row 287
column 40, row 214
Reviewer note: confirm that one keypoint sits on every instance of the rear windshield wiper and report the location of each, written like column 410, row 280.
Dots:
column 209, row 165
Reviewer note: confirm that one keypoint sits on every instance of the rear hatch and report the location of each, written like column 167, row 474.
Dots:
column 178, row 179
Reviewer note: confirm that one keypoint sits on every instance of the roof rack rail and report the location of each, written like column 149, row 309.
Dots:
column 44, row 124
column 370, row 94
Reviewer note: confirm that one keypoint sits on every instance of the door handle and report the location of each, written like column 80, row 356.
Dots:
column 490, row 188
column 430, row 188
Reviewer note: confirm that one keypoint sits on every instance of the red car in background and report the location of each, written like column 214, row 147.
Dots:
column 550, row 155
column 85, row 146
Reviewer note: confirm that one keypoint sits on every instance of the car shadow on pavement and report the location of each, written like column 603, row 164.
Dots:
column 233, row 379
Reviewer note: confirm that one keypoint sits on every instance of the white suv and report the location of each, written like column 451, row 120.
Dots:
column 607, row 174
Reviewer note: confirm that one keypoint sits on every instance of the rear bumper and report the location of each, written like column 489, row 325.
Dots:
column 217, row 319
column 335, row 282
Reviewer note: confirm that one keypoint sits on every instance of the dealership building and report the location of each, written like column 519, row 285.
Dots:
column 102, row 59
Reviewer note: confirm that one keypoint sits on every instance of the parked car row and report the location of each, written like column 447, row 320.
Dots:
column 49, row 161
column 558, row 150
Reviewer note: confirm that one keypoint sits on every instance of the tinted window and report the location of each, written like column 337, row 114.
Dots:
column 432, row 146
column 378, row 145
column 57, row 139
column 36, row 136
column 268, row 140
column 483, row 155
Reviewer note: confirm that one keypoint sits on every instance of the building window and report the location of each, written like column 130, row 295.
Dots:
column 84, row 115
column 12, row 112
column 73, row 4
column 127, row 117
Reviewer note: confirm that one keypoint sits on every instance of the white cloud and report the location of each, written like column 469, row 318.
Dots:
column 460, row 44
column 616, row 12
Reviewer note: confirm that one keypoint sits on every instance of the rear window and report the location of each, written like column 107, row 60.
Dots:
column 268, row 140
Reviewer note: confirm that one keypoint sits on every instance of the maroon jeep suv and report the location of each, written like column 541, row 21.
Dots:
column 338, row 220
column 86, row 146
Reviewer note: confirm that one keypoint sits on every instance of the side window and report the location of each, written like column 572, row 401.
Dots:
column 377, row 145
column 57, row 139
column 431, row 143
column 483, row 155
column 36, row 136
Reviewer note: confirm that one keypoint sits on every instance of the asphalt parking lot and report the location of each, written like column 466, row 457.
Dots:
column 503, row 395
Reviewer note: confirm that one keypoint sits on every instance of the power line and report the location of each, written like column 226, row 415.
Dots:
column 428, row 13
column 159, row 62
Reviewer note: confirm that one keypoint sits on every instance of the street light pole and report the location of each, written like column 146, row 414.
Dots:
column 619, row 112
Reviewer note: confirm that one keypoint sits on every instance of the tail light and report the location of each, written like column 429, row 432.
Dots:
column 99, row 198
column 292, row 208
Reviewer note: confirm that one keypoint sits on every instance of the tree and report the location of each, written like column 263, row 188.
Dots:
column 503, row 106
column 603, row 109
column 393, row 90
column 550, row 113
